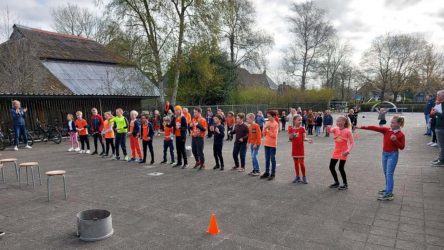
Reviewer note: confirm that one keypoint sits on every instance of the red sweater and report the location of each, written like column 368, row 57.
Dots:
column 389, row 145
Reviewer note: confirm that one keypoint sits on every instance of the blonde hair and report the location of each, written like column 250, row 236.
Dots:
column 119, row 109
column 70, row 116
column 399, row 119
column 251, row 115
column 79, row 112
column 109, row 113
column 347, row 122
column 134, row 112
column 296, row 117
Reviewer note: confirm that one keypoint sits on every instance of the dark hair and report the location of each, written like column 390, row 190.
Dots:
column 198, row 109
column 241, row 115
column 272, row 113
column 218, row 117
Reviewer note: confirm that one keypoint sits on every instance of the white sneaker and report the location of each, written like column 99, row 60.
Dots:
column 430, row 143
column 28, row 147
column 88, row 152
column 16, row 148
column 77, row 149
column 70, row 149
column 81, row 151
column 126, row 158
column 434, row 144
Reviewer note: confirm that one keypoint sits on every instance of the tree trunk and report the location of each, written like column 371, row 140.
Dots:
column 159, row 78
column 178, row 57
column 381, row 97
column 232, row 48
column 395, row 96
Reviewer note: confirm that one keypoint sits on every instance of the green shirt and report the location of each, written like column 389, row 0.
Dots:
column 121, row 124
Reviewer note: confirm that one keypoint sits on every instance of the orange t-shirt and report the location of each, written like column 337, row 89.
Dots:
column 146, row 132
column 230, row 121
column 188, row 117
column 202, row 122
column 107, row 125
column 254, row 134
column 168, row 131
column 178, row 126
column 271, row 130
column 82, row 125
column 131, row 127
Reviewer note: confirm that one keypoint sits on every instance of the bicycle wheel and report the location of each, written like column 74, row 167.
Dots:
column 2, row 144
column 55, row 136
column 30, row 139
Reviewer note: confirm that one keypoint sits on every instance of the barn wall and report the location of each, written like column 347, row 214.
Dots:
column 54, row 110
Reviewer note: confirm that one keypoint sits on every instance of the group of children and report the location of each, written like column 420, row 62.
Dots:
column 250, row 135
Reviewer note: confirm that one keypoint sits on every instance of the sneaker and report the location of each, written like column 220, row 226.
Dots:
column 216, row 167
column 126, row 158
column 271, row 177
column 152, row 162
column 184, row 166
column 88, row 152
column 381, row 192
column 163, row 162
column 77, row 149
column 142, row 162
column 114, row 158
column 241, row 170
column 16, row 148
column 172, row 163
column 29, row 147
column 438, row 164
column 343, row 187
column 176, row 164
column 234, row 168
column 132, row 159
column 105, row 156
column 222, row 168
column 430, row 143
column 434, row 145
column 70, row 149
column 196, row 165
column 252, row 172
column 117, row 158
column 2, row 234
column 202, row 166
column 265, row 176
column 81, row 151
column 334, row 185
column 103, row 153
column 386, row 197
column 297, row 179
column 304, row 180
column 94, row 153
column 435, row 161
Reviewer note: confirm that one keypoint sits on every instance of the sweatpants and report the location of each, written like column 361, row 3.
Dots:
column 84, row 140
column 135, row 147
column 146, row 145
column 73, row 139
column 121, row 142
column 110, row 143
column 341, row 170
column 239, row 149
column 217, row 152
column 181, row 153
column 197, row 145
column 98, row 137
column 440, row 139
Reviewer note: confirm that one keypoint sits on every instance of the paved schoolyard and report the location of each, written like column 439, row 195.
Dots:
column 172, row 211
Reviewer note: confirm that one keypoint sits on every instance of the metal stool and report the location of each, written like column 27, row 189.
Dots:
column 56, row 173
column 3, row 163
column 29, row 165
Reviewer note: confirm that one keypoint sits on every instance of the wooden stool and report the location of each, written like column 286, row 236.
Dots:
column 3, row 163
column 56, row 173
column 29, row 165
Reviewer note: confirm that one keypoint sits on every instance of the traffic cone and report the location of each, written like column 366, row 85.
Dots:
column 212, row 228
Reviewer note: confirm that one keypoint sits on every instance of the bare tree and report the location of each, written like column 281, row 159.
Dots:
column 311, row 31
column 7, row 19
column 73, row 20
column 335, row 55
column 431, row 72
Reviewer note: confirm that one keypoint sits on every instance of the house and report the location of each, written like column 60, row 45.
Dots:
column 247, row 79
column 53, row 74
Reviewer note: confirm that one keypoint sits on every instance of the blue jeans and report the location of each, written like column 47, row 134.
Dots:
column 20, row 130
column 389, row 161
column 254, row 153
column 427, row 119
column 318, row 130
column 270, row 156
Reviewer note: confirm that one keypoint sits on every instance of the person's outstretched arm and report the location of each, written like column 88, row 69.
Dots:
column 374, row 128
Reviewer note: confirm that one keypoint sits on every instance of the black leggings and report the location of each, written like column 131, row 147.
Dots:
column 98, row 137
column 84, row 139
column 310, row 129
column 217, row 152
column 146, row 145
column 110, row 143
column 341, row 170
column 181, row 153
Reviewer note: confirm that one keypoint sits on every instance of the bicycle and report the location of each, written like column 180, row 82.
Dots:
column 8, row 139
column 47, row 133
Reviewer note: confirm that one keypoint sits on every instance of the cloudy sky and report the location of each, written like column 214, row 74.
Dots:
column 357, row 21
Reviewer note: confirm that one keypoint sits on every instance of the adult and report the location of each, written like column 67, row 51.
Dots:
column 260, row 119
column 290, row 116
column 283, row 120
column 96, row 127
column 430, row 103
column 437, row 112
column 18, row 115
column 167, row 108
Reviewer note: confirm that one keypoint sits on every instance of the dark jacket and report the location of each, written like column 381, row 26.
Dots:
column 18, row 119
column 328, row 120
column 137, row 128
column 73, row 125
column 241, row 131
column 219, row 137
column 318, row 121
column 150, row 132
column 96, row 123
column 429, row 105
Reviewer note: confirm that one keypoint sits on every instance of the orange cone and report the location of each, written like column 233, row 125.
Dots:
column 212, row 228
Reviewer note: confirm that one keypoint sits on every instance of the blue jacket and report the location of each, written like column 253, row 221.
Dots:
column 18, row 119
column 328, row 120
column 428, row 107
column 260, row 120
column 138, row 128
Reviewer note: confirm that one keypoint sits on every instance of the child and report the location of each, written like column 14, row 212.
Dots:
column 147, row 132
column 343, row 137
column 260, row 120
column 134, row 134
column 353, row 116
column 318, row 123
column 157, row 121
column 108, row 133
column 96, row 130
column 328, row 122
column 199, row 128
column 240, row 142
column 209, row 118
column 121, row 126
column 168, row 140
column 270, row 133
column 188, row 117
column 297, row 137
column 230, row 125
column 381, row 116
column 310, row 121
column 394, row 140
column 179, row 123
column 283, row 120
column 219, row 133
column 255, row 141
column 82, row 128
column 72, row 131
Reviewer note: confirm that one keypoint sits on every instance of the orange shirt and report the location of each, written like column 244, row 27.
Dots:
column 271, row 130
column 146, row 132
column 195, row 131
column 108, row 125
column 188, row 117
column 178, row 126
column 168, row 131
column 82, row 125
column 254, row 134
column 131, row 128
column 230, row 121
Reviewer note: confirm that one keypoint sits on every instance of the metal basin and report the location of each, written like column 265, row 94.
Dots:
column 94, row 224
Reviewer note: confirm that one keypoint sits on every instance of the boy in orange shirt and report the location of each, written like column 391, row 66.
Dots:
column 271, row 130
column 168, row 140
column 199, row 128
column 255, row 140
column 108, row 133
column 82, row 128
